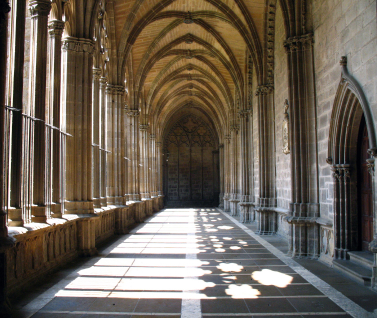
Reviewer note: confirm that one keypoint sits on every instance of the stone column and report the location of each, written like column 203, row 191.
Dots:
column 96, row 170
column 56, row 30
column 245, row 203
column 222, row 181
column 16, row 68
column 144, row 182
column 304, row 162
column 5, row 241
column 153, row 165
column 103, row 141
column 77, row 81
column 227, row 167
column 133, row 118
column 159, row 174
column 114, row 117
column 77, row 100
column 266, row 216
column 39, row 11
column 373, row 244
column 234, row 169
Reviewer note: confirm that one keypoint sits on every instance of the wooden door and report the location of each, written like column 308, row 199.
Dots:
column 365, row 189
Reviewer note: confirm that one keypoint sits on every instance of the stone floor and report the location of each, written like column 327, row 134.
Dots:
column 195, row 263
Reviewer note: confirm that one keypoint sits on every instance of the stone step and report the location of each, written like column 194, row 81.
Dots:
column 356, row 272
column 362, row 258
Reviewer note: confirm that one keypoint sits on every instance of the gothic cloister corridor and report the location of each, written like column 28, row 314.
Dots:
column 192, row 263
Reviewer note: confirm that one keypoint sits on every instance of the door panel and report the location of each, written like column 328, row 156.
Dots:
column 365, row 189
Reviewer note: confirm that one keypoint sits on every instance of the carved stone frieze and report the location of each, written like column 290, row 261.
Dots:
column 327, row 241
column 270, row 42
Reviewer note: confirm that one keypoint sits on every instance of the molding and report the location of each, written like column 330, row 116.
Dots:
column 270, row 43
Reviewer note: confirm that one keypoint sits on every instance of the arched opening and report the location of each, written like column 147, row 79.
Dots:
column 351, row 141
column 191, row 163
column 365, row 189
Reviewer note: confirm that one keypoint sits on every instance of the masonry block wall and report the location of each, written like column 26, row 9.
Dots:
column 283, row 161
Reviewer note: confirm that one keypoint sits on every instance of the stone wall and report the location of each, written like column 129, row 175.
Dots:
column 341, row 28
column 283, row 161
column 41, row 249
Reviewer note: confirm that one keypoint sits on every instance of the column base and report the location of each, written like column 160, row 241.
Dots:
column 15, row 217
column 87, row 235
column 79, row 207
column 234, row 207
column 103, row 202
column 38, row 214
column 247, row 213
column 96, row 203
column 56, row 210
column 267, row 221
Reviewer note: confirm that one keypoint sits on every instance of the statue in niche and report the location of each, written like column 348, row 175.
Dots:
column 285, row 130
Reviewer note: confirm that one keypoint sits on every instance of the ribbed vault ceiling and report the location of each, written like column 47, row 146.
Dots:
column 187, row 54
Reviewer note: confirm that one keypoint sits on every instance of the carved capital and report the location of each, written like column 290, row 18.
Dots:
column 152, row 137
column 144, row 127
column 97, row 74
column 39, row 8
column 78, row 45
column 335, row 173
column 370, row 166
column 221, row 146
column 103, row 82
column 133, row 113
column 372, row 152
column 228, row 137
column 264, row 90
column 56, row 28
column 235, row 128
column 294, row 43
column 346, row 171
column 244, row 113
column 158, row 143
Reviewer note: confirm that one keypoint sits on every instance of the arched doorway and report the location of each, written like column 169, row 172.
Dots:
column 352, row 139
column 365, row 189
column 191, row 167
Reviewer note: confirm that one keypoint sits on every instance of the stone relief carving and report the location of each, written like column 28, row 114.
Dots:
column 285, row 129
column 327, row 242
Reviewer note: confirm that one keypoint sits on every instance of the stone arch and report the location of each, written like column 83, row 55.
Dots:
column 350, row 105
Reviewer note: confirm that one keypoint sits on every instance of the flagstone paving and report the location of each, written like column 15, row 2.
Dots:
column 185, row 263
